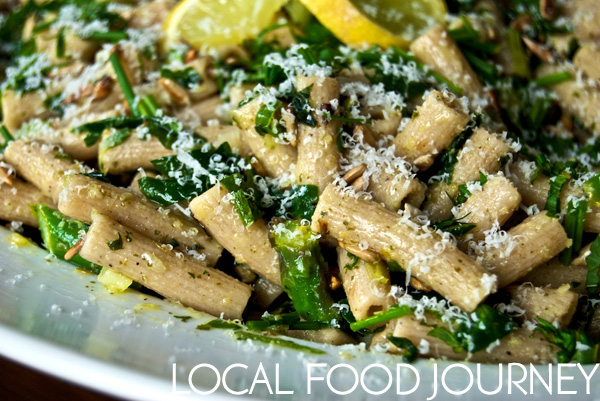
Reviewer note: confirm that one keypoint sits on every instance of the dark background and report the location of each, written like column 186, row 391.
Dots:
column 18, row 382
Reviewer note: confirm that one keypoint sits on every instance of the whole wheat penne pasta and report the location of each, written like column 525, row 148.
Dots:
column 437, row 50
column 433, row 127
column 419, row 250
column 496, row 202
column 327, row 335
column 519, row 346
column 202, row 112
column 536, row 193
column 481, row 153
column 74, row 47
column 553, row 305
column 554, row 274
column 23, row 107
column 277, row 158
column 584, row 14
column 587, row 59
column 367, row 284
column 151, row 13
column 249, row 245
column 577, row 98
column 532, row 193
column 219, row 134
column 265, row 292
column 156, row 266
column 318, row 156
column 134, row 185
column 132, row 154
column 536, row 240
column 207, row 85
column 82, row 195
column 45, row 166
column 394, row 189
column 16, row 198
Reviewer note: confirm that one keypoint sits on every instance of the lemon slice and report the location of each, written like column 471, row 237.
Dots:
column 211, row 23
column 382, row 22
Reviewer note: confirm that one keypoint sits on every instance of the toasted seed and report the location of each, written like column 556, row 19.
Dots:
column 363, row 254
column 520, row 23
column 354, row 173
column 547, row 9
column 335, row 283
column 74, row 250
column 360, row 184
column 5, row 176
column 176, row 92
column 191, row 55
column 257, row 165
column 418, row 285
column 102, row 88
column 540, row 50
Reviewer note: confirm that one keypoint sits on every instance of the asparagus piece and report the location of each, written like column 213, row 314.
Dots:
column 303, row 270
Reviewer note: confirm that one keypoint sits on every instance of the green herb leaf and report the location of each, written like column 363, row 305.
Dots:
column 553, row 201
column 219, row 324
column 410, row 351
column 187, row 78
column 575, row 345
column 116, row 244
column 593, row 264
column 393, row 312
column 454, row 226
column 266, row 122
column 574, row 223
column 592, row 190
column 301, row 106
column 353, row 261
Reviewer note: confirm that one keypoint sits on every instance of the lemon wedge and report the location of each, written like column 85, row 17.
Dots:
column 382, row 22
column 212, row 23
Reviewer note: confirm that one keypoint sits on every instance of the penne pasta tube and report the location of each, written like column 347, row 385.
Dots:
column 536, row 193
column 482, row 152
column 431, row 130
column 202, row 112
column 219, row 134
column 265, row 293
column 82, row 195
column 249, row 245
column 437, row 50
column 553, row 305
column 554, row 274
column 584, row 14
column 519, row 346
column 536, row 240
column 16, row 198
column 157, row 267
column 495, row 203
column 367, row 284
column 132, row 154
column 392, row 189
column 418, row 249
column 23, row 107
column 45, row 166
column 277, row 158
column 318, row 156
column 587, row 59
column 327, row 335
column 576, row 98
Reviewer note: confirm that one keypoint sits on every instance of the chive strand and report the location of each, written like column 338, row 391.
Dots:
column 393, row 312
column 552, row 79
column 124, row 83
